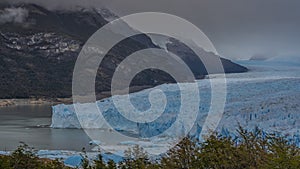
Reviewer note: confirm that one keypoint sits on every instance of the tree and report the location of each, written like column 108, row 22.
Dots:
column 220, row 153
column 111, row 165
column 99, row 163
column 24, row 158
column 282, row 154
column 135, row 158
column 253, row 147
column 184, row 155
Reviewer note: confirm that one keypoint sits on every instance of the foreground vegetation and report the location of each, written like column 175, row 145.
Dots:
column 25, row 158
column 254, row 150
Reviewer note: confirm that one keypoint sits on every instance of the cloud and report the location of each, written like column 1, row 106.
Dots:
column 62, row 4
column 13, row 15
column 238, row 28
column 262, row 56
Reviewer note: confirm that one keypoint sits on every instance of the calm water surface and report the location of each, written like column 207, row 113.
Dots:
column 30, row 124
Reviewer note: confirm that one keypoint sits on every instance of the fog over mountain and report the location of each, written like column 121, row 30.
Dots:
column 15, row 15
column 238, row 28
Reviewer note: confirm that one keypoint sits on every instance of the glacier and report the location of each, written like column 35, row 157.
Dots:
column 266, row 97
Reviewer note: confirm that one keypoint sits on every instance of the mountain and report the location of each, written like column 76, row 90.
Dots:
column 39, row 47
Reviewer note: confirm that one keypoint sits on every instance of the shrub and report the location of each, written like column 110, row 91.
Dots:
column 24, row 157
column 252, row 150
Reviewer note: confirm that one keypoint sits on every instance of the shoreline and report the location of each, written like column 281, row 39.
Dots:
column 34, row 101
column 54, row 101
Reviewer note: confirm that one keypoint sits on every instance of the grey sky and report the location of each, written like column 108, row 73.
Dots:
column 238, row 28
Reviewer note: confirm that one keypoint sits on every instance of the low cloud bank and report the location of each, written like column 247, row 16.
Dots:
column 13, row 15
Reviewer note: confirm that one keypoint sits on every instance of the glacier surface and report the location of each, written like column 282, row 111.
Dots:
column 267, row 96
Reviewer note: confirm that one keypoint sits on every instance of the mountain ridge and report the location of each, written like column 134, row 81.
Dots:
column 37, row 56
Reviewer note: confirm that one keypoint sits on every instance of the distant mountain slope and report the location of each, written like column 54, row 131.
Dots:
column 39, row 47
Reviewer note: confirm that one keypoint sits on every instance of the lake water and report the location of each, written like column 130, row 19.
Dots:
column 30, row 124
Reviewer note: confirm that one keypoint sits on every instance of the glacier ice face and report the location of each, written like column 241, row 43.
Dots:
column 266, row 96
column 64, row 116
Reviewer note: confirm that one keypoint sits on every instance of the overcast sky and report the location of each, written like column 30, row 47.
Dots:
column 238, row 28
